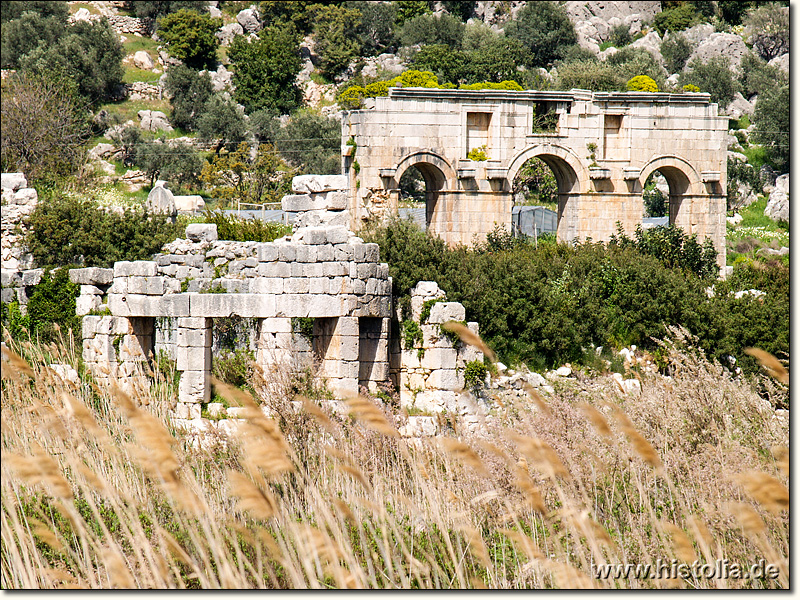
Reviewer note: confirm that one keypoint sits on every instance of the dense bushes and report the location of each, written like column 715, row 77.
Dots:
column 232, row 228
column 50, row 309
column 65, row 231
column 550, row 304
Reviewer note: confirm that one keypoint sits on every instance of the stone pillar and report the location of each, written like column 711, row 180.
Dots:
column 336, row 344
column 274, row 343
column 134, row 351
column 193, row 357
column 373, row 352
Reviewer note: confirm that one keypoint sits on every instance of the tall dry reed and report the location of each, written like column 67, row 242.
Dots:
column 98, row 490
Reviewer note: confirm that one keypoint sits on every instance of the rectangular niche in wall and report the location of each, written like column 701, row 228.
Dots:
column 478, row 130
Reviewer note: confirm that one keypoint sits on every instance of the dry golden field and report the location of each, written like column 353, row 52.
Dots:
column 98, row 491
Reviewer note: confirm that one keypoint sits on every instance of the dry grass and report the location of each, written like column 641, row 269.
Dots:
column 98, row 491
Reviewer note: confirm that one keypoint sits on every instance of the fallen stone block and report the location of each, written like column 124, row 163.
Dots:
column 138, row 268
column 442, row 312
column 91, row 276
column 304, row 184
column 202, row 232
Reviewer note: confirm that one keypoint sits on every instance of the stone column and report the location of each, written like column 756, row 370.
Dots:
column 193, row 356
column 373, row 352
column 336, row 343
column 134, row 352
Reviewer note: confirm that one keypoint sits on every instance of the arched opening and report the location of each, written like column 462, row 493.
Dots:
column 420, row 185
column 535, row 209
column 662, row 196
column 555, row 181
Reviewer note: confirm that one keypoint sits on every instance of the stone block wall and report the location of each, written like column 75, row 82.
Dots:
column 318, row 200
column 431, row 368
column 324, row 273
column 18, row 274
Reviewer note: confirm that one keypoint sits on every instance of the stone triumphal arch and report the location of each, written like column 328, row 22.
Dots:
column 601, row 147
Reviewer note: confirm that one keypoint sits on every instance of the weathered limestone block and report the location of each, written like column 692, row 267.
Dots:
column 91, row 276
column 304, row 184
column 445, row 379
column 420, row 293
column 194, row 387
column 145, row 285
column 13, row 181
column 439, row 358
column 442, row 312
column 138, row 268
column 419, row 426
column 84, row 304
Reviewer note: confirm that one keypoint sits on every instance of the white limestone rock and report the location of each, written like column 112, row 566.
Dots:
column 142, row 60
column 782, row 62
column 727, row 45
column 153, row 120
column 652, row 43
column 778, row 205
column 248, row 19
column 13, row 181
column 305, row 184
column 202, row 232
column 227, row 32
column 160, row 200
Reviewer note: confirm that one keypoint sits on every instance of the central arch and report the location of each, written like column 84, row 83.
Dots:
column 570, row 176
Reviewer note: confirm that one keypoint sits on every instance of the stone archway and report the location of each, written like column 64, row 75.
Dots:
column 570, row 176
column 439, row 178
column 683, row 183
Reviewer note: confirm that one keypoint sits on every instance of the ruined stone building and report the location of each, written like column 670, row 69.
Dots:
column 601, row 147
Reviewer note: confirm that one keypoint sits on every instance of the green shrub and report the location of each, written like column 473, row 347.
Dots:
column 65, row 230
column 11, row 316
column 475, row 375
column 412, row 334
column 642, row 83
column 189, row 36
column 676, row 50
column 714, row 77
column 545, row 31
column 546, row 305
column 589, row 75
column 234, row 367
column 303, row 326
column 620, row 36
column 478, row 154
column 676, row 19
column 51, row 306
column 230, row 227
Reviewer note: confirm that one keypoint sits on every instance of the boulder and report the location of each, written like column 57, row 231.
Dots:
column 221, row 79
column 101, row 151
column 142, row 60
column 160, row 200
column 739, row 106
column 727, row 45
column 778, row 205
column 699, row 33
column 153, row 120
column 305, row 184
column 248, row 19
column 82, row 14
column 201, row 232
column 226, row 33
column 583, row 11
column 13, row 181
column 214, row 12
column 652, row 43
column 189, row 203
column 782, row 62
